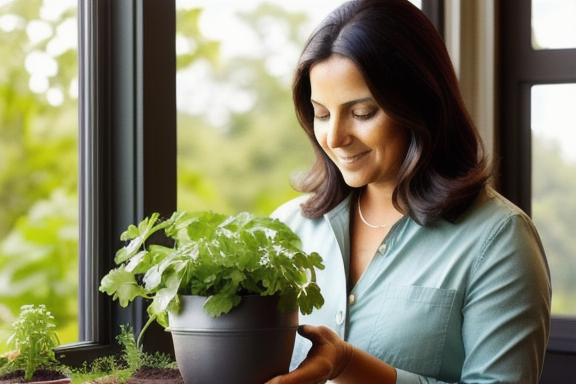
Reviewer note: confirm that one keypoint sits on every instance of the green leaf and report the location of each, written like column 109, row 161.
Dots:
column 310, row 298
column 288, row 300
column 135, row 261
column 153, row 278
column 166, row 295
column 122, row 285
column 130, row 233
column 205, row 225
column 237, row 276
column 138, row 236
column 220, row 304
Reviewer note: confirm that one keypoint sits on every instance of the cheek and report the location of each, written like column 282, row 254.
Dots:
column 320, row 136
column 400, row 145
column 393, row 142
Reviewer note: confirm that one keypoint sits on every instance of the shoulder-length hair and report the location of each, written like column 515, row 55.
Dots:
column 408, row 71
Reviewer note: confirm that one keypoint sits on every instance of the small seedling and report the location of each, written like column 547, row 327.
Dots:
column 32, row 342
column 136, row 358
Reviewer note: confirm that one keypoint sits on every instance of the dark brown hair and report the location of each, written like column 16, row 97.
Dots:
column 408, row 71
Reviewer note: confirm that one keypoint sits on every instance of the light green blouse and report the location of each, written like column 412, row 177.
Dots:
column 465, row 302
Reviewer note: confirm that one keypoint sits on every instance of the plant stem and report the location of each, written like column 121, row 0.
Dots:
column 150, row 321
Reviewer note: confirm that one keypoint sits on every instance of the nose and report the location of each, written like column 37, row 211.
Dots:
column 338, row 134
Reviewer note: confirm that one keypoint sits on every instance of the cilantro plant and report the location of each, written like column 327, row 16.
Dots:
column 214, row 255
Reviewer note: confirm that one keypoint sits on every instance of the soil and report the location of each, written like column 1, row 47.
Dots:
column 156, row 376
column 39, row 376
column 147, row 376
column 141, row 376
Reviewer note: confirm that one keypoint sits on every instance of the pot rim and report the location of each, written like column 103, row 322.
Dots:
column 231, row 331
column 254, row 313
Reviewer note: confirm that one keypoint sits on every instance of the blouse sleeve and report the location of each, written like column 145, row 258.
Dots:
column 506, row 309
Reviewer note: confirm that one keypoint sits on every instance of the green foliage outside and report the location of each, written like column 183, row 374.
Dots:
column 245, row 162
column 230, row 158
column 554, row 214
column 38, row 165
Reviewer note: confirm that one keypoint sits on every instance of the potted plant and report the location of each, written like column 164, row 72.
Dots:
column 229, row 285
column 32, row 359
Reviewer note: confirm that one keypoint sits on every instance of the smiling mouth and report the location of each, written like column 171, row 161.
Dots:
column 352, row 159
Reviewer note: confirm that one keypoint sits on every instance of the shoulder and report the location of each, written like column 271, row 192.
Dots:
column 506, row 230
column 499, row 220
column 290, row 210
column 494, row 210
column 490, row 229
column 290, row 213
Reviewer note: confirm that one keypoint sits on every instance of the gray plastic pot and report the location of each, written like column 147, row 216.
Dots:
column 249, row 345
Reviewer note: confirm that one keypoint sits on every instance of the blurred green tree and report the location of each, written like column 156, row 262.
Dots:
column 554, row 214
column 237, row 152
column 38, row 162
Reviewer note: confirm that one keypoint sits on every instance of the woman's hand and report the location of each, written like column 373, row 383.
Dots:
column 327, row 358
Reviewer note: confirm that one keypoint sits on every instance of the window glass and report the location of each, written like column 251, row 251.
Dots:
column 238, row 138
column 553, row 24
column 553, row 121
column 38, row 162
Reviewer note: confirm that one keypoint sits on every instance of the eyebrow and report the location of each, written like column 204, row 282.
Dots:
column 348, row 103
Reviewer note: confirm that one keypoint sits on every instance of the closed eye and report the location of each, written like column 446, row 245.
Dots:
column 364, row 116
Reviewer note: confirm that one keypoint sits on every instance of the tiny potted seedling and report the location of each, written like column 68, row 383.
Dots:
column 228, row 288
column 32, row 359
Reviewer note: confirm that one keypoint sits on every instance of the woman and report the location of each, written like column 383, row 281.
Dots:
column 431, row 276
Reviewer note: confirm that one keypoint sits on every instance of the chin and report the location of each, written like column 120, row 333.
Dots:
column 355, row 183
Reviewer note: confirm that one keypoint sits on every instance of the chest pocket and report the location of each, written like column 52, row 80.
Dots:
column 411, row 328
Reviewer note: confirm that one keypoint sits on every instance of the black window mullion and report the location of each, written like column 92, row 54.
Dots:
column 155, row 127
column 143, row 113
column 127, row 125
column 434, row 9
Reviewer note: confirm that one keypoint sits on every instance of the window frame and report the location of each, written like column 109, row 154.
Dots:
column 522, row 67
column 434, row 10
column 127, row 152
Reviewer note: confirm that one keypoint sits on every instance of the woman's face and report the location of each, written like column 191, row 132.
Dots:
column 366, row 145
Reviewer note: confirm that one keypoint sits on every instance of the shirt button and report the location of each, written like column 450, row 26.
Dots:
column 339, row 317
column 351, row 299
column 382, row 248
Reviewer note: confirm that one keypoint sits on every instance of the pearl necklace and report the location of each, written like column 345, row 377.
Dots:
column 364, row 220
